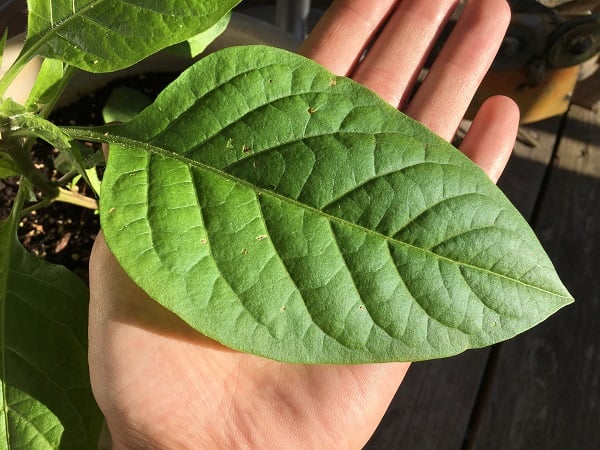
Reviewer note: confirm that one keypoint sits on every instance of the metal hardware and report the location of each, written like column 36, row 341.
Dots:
column 292, row 15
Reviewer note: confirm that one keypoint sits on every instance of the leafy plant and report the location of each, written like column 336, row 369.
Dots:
column 273, row 206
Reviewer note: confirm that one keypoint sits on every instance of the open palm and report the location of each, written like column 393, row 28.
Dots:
column 161, row 384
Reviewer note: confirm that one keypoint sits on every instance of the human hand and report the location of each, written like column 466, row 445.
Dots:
column 161, row 384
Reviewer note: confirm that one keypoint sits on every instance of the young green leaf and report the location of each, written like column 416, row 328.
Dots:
column 194, row 46
column 287, row 212
column 123, row 104
column 46, row 83
column 96, row 35
column 45, row 395
column 9, row 109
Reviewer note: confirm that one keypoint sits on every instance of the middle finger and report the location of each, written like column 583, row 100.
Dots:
column 393, row 63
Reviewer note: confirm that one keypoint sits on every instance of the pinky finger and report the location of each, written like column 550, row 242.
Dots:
column 491, row 137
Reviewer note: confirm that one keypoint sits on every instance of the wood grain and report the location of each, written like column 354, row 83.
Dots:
column 546, row 391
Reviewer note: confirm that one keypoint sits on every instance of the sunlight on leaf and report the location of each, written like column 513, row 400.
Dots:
column 194, row 46
column 96, row 35
column 287, row 212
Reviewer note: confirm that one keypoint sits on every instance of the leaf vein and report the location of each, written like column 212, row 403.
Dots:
column 130, row 143
column 358, row 290
column 293, row 281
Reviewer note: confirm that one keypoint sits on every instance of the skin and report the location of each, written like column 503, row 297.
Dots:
column 162, row 385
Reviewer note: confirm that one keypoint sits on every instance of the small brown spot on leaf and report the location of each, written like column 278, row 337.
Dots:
column 311, row 111
column 261, row 237
column 332, row 82
column 246, row 149
column 203, row 241
column 244, row 251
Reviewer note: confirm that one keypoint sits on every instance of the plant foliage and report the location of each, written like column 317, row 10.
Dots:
column 273, row 206
column 295, row 215
column 45, row 396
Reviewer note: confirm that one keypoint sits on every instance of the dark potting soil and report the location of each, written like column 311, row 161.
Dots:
column 63, row 233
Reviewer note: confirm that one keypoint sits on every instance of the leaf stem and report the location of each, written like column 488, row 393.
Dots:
column 67, row 196
column 37, row 206
column 22, row 158
column 67, row 177
column 64, row 196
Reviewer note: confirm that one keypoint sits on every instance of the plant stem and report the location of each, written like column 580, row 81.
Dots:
column 22, row 159
column 67, row 177
column 66, row 196
column 39, row 205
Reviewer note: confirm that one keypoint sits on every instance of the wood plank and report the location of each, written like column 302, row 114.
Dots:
column 587, row 93
column 526, row 168
column 545, row 394
column 433, row 407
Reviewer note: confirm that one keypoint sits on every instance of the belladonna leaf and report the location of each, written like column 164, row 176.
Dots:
column 287, row 212
column 45, row 395
column 107, row 35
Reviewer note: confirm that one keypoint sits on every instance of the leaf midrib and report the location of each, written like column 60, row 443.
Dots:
column 10, row 231
column 107, row 137
column 54, row 29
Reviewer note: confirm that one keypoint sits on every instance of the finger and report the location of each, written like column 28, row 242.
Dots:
column 491, row 137
column 340, row 37
column 455, row 75
column 393, row 63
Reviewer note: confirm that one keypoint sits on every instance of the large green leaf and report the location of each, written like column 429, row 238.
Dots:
column 45, row 395
column 107, row 35
column 287, row 212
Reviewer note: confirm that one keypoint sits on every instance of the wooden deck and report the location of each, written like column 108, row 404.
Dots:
column 541, row 390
